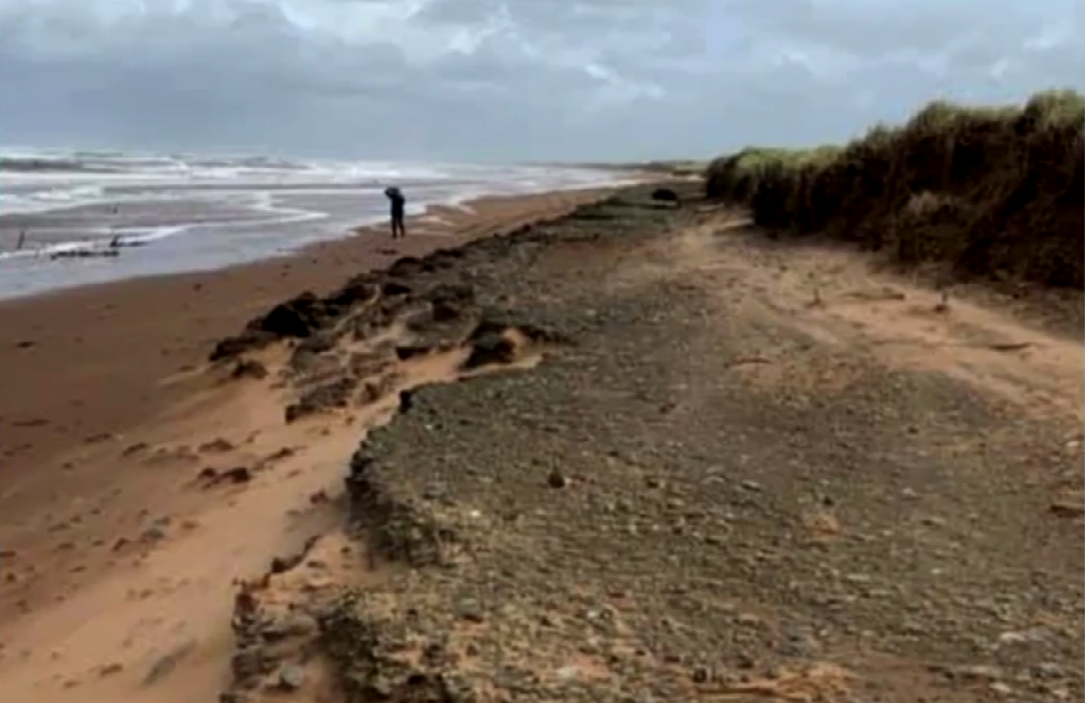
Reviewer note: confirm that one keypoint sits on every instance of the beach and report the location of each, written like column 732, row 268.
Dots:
column 90, row 367
column 580, row 446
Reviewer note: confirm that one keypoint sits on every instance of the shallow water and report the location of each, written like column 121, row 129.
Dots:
column 192, row 213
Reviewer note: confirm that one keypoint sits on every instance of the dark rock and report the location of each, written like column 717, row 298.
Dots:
column 357, row 291
column 446, row 312
column 456, row 294
column 556, row 479
column 249, row 368
column 238, row 474
column 297, row 317
column 280, row 565
column 403, row 353
column 294, row 626
column 394, row 288
column 405, row 401
column 247, row 663
column 405, row 266
column 666, row 195
column 335, row 394
column 490, row 349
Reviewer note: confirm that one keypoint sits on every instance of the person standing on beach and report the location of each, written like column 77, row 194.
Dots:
column 395, row 196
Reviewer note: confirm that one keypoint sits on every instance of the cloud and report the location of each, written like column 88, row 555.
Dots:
column 508, row 79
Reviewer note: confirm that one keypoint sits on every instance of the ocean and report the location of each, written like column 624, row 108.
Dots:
column 176, row 213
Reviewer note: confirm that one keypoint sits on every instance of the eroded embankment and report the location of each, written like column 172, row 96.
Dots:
column 705, row 493
column 348, row 351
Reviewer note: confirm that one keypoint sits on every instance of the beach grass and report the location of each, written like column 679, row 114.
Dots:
column 995, row 192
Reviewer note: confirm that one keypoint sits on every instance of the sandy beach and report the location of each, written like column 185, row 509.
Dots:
column 95, row 369
column 624, row 451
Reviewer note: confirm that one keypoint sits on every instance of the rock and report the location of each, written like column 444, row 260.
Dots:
column 405, row 401
column 155, row 533
column 1036, row 634
column 247, row 663
column 335, row 394
column 291, row 678
column 978, row 672
column 567, row 673
column 111, row 669
column 556, row 479
column 249, row 368
column 280, row 565
column 406, row 352
column 238, row 474
column 666, row 195
column 470, row 610
column 752, row 486
column 290, row 626
column 491, row 348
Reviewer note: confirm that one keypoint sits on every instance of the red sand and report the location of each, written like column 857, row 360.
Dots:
column 88, row 372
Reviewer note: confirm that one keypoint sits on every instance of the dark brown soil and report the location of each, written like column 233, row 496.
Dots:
column 700, row 494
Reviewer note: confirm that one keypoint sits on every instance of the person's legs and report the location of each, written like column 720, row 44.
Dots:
column 397, row 224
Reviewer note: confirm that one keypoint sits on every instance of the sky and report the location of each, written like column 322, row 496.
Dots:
column 510, row 80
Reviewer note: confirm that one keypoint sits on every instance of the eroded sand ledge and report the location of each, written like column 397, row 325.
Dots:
column 716, row 485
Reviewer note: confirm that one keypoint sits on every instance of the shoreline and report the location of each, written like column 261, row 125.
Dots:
column 89, row 361
column 422, row 220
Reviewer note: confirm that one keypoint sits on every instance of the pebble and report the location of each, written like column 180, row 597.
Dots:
column 291, row 678
column 567, row 673
column 556, row 479
column 153, row 534
column 470, row 610
column 1022, row 636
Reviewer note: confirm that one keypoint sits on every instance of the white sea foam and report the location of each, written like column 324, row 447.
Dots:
column 198, row 212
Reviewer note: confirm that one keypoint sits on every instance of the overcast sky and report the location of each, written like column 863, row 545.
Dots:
column 509, row 79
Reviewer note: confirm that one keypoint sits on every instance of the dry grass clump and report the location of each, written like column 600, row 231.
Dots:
column 996, row 192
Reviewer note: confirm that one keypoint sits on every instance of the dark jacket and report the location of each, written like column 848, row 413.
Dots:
column 397, row 200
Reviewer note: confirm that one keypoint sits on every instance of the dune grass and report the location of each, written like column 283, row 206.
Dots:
column 994, row 192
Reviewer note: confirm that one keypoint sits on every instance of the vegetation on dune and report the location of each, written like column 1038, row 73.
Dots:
column 995, row 192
